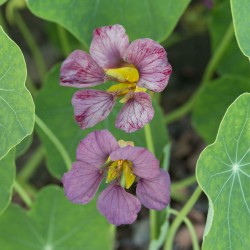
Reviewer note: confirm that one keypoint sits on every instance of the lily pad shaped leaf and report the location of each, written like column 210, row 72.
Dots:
column 241, row 18
column 17, row 109
column 54, row 223
column 223, row 172
column 141, row 18
column 7, row 177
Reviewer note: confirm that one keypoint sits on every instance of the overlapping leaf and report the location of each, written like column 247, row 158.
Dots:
column 16, row 104
column 141, row 18
column 7, row 177
column 54, row 107
column 54, row 223
column 213, row 102
column 223, row 172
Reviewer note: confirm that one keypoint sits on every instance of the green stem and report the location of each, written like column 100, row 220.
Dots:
column 64, row 40
column 195, row 241
column 153, row 214
column 178, row 220
column 212, row 64
column 112, row 231
column 22, row 193
column 36, row 52
column 55, row 141
column 184, row 183
column 32, row 164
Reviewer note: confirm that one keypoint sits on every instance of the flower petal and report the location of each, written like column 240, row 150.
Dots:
column 137, row 111
column 92, row 106
column 118, row 206
column 109, row 45
column 150, row 58
column 81, row 182
column 96, row 147
column 154, row 193
column 80, row 70
column 145, row 165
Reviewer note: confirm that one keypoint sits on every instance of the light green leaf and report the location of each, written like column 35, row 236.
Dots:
column 213, row 102
column 223, row 172
column 2, row 1
column 58, row 114
column 141, row 18
column 7, row 177
column 16, row 104
column 54, row 223
column 241, row 18
column 220, row 20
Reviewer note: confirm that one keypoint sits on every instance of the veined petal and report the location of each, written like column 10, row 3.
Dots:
column 80, row 70
column 92, row 106
column 109, row 45
column 150, row 58
column 118, row 206
column 154, row 193
column 81, row 182
column 96, row 147
column 144, row 164
column 137, row 112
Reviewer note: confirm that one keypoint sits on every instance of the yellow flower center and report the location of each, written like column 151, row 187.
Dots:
column 127, row 77
column 121, row 169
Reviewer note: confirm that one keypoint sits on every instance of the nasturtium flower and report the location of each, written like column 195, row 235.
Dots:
column 136, row 67
column 99, row 156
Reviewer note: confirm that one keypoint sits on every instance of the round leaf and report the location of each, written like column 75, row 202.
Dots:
column 141, row 18
column 223, row 172
column 16, row 105
column 54, row 223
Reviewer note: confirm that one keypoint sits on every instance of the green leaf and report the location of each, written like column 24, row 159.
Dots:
column 241, row 19
column 141, row 18
column 2, row 1
column 223, row 172
column 213, row 102
column 54, row 223
column 58, row 114
column 16, row 105
column 7, row 177
column 221, row 14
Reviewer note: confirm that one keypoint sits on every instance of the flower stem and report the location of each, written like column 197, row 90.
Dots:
column 60, row 147
column 212, row 64
column 178, row 220
column 64, row 40
column 36, row 52
column 153, row 214
column 32, row 164
column 112, row 231
column 195, row 241
column 184, row 183
column 22, row 193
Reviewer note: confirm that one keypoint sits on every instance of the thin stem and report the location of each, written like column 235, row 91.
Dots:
column 184, row 183
column 195, row 241
column 178, row 220
column 64, row 40
column 212, row 64
column 153, row 214
column 55, row 141
column 22, row 193
column 32, row 164
column 36, row 52
column 112, row 231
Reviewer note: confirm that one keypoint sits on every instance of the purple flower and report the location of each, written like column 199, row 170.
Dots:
column 136, row 67
column 100, row 156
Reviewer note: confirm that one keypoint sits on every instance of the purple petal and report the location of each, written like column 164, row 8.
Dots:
column 145, row 165
column 109, row 45
column 118, row 206
column 80, row 70
column 154, row 193
column 96, row 148
column 137, row 112
column 150, row 58
column 92, row 106
column 81, row 182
